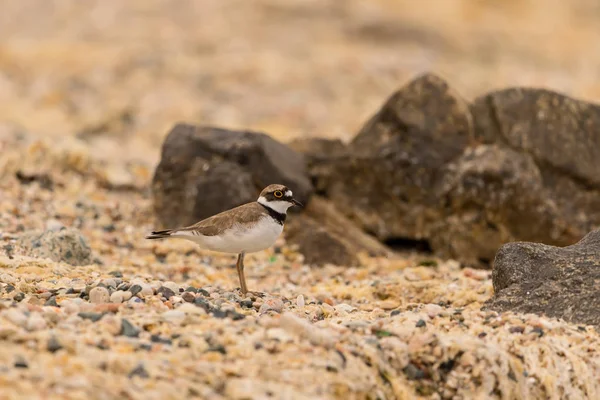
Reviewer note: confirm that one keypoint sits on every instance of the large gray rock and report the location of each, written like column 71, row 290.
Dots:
column 62, row 245
column 205, row 170
column 559, row 282
column 518, row 164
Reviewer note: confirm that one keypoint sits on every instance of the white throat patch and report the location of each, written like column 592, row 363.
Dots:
column 279, row 206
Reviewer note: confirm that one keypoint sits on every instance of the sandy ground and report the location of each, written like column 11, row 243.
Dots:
column 88, row 91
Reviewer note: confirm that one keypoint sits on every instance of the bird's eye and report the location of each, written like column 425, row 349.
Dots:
column 278, row 194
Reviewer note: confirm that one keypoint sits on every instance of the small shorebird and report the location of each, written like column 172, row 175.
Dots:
column 248, row 228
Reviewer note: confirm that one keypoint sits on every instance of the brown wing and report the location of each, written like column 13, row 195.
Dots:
column 212, row 226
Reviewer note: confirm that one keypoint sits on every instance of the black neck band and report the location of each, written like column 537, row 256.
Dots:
column 277, row 216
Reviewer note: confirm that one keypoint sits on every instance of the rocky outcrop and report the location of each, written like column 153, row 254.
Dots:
column 559, row 282
column 206, row 170
column 517, row 164
column 62, row 245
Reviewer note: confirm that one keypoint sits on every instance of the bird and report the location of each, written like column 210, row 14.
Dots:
column 248, row 228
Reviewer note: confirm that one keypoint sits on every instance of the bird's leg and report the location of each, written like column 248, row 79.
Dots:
column 240, row 269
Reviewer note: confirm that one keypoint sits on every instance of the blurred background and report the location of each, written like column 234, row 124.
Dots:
column 118, row 74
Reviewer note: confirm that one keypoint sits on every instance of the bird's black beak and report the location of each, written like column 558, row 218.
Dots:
column 297, row 203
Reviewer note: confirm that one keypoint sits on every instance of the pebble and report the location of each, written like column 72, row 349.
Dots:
column 433, row 310
column 420, row 323
column 172, row 285
column 51, row 302
column 53, row 345
column 272, row 304
column 165, row 292
column 19, row 297
column 127, row 329
column 99, row 295
column 36, row 322
column 15, row 316
column 92, row 316
column 300, row 301
column 174, row 316
column 344, row 307
column 118, row 296
column 110, row 282
column 20, row 362
column 188, row 297
column 146, row 291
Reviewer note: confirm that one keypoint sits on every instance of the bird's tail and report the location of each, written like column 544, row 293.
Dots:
column 160, row 234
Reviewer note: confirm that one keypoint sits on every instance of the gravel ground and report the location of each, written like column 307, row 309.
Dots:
column 88, row 91
column 166, row 320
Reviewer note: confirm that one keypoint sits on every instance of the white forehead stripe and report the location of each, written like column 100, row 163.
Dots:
column 288, row 193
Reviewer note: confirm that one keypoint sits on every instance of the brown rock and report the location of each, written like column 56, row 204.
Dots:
column 559, row 282
column 323, row 235
column 206, row 170
column 384, row 182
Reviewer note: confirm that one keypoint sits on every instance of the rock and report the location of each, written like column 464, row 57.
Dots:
column 205, row 170
column 65, row 245
column 165, row 292
column 146, row 291
column 99, row 295
column 117, row 296
column 174, row 316
column 127, row 329
column 92, row 316
column 172, row 285
column 36, row 322
column 383, row 181
column 188, row 297
column 429, row 170
column 273, row 304
column 558, row 282
column 53, row 345
column 51, row 302
column 135, row 289
column 300, row 301
column 325, row 236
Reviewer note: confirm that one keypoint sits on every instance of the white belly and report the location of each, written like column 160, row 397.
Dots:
column 236, row 240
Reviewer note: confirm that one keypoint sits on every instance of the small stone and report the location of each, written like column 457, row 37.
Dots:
column 19, row 297
column 99, row 295
column 421, row 323
column 433, row 310
column 9, row 288
column 516, row 329
column 53, row 345
column 343, row 307
column 176, row 300
column 246, row 303
column 388, row 304
column 202, row 303
column 20, row 362
column 127, row 329
column 109, row 282
column 165, row 292
column 300, row 301
column 15, row 316
column 92, row 316
column 172, row 285
column 126, row 295
column 539, row 331
column 146, row 291
column 191, row 289
column 272, row 304
column 204, row 292
column 51, row 302
column 135, row 289
column 117, row 297
column 395, row 312
column 116, row 274
column 413, row 372
column 159, row 339
column 139, row 371
column 36, row 322
column 188, row 297
column 174, row 316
